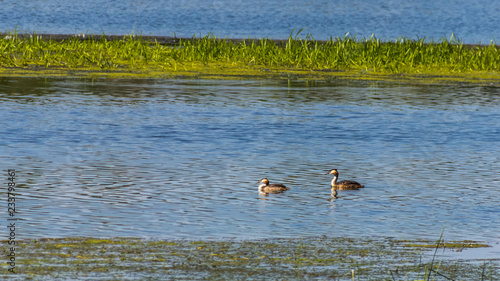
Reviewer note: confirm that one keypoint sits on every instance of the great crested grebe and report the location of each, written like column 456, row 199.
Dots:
column 342, row 185
column 265, row 187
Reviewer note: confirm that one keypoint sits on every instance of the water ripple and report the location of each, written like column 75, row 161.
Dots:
column 180, row 159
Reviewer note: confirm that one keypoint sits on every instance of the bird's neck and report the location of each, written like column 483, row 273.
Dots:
column 334, row 180
column 261, row 187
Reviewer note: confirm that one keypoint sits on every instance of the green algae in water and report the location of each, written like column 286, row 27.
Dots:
column 306, row 258
column 450, row 245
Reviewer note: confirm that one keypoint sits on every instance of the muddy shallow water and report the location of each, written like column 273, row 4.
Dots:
column 309, row 258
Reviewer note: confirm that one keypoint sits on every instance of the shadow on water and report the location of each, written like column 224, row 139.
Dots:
column 179, row 158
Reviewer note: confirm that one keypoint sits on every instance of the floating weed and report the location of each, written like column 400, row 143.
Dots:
column 99, row 241
column 450, row 245
column 136, row 56
column 162, row 243
column 306, row 258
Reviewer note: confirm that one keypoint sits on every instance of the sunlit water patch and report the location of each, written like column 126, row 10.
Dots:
column 181, row 158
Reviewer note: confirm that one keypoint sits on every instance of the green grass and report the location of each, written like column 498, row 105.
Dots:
column 257, row 57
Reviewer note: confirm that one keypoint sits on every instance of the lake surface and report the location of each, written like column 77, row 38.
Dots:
column 181, row 158
column 471, row 21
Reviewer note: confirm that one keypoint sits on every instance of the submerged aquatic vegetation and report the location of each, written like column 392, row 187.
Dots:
column 254, row 57
column 270, row 259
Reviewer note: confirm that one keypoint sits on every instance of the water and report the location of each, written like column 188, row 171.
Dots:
column 181, row 158
column 471, row 21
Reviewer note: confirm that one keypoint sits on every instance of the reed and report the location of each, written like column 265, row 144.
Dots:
column 340, row 53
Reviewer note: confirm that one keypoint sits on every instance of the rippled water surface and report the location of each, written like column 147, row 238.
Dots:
column 180, row 158
column 472, row 21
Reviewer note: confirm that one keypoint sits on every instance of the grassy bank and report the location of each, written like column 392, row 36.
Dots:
column 210, row 57
column 272, row 259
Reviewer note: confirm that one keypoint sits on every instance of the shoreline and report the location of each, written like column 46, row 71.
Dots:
column 164, row 40
column 215, row 71
column 167, row 57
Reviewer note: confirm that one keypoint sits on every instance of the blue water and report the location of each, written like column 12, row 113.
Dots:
column 470, row 21
column 181, row 158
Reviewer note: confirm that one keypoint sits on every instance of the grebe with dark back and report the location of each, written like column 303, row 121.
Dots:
column 343, row 185
column 265, row 187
